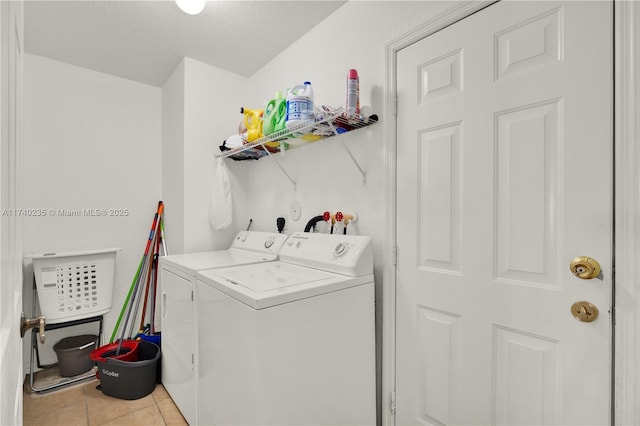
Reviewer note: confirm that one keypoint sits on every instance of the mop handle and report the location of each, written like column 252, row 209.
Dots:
column 137, row 293
column 163, row 239
column 126, row 300
column 137, row 275
column 155, row 276
column 129, row 309
column 154, row 281
column 143, row 281
column 148, row 281
column 133, row 303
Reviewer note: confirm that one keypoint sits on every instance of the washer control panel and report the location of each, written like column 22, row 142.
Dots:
column 265, row 242
column 345, row 254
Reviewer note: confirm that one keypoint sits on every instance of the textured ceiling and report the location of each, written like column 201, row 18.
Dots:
column 145, row 40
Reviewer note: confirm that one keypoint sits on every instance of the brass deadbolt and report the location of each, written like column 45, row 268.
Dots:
column 584, row 311
column 585, row 268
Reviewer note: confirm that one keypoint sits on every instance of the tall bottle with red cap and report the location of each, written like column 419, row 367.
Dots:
column 353, row 95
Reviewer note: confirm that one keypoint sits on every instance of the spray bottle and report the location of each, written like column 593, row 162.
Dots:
column 353, row 95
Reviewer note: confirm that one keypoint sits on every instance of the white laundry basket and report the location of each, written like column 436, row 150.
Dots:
column 74, row 285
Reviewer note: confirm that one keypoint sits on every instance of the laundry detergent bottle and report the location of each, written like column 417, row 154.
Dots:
column 275, row 115
column 299, row 106
column 253, row 122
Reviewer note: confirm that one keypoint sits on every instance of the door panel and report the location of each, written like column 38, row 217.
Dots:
column 504, row 176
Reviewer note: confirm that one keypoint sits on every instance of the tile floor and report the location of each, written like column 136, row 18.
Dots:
column 84, row 405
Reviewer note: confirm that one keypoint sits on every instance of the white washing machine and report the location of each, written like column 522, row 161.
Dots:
column 290, row 342
column 177, row 281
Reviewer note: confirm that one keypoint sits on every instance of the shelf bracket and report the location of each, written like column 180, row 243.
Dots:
column 293, row 182
column 362, row 172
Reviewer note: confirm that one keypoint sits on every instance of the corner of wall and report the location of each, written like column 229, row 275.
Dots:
column 173, row 126
column 212, row 99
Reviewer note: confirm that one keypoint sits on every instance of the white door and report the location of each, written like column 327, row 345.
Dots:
column 10, row 222
column 504, row 175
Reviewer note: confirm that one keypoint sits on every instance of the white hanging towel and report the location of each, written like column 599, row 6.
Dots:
column 220, row 208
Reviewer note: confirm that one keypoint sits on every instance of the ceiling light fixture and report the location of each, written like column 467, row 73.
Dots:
column 191, row 7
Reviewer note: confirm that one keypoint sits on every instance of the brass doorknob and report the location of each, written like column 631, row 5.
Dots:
column 27, row 323
column 585, row 268
column 584, row 311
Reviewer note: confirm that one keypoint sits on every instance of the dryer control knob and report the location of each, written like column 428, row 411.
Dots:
column 340, row 249
column 268, row 242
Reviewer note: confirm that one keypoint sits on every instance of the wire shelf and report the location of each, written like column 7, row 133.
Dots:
column 325, row 125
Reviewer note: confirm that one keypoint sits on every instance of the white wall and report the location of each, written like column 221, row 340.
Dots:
column 211, row 97
column 91, row 140
column 353, row 37
column 199, row 111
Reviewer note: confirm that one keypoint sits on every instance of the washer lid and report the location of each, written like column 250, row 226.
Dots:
column 192, row 262
column 273, row 283
column 246, row 247
column 276, row 276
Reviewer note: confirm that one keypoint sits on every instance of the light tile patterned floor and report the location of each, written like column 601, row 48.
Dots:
column 84, row 405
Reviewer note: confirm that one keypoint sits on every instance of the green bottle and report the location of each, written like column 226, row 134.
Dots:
column 275, row 114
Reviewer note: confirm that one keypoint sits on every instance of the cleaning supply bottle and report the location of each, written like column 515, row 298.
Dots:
column 253, row 122
column 299, row 105
column 353, row 95
column 275, row 114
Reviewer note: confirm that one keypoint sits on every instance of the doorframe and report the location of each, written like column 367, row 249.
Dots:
column 626, row 376
column 11, row 131
column 626, row 358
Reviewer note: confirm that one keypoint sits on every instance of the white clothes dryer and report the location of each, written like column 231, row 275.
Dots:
column 290, row 342
column 177, row 306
